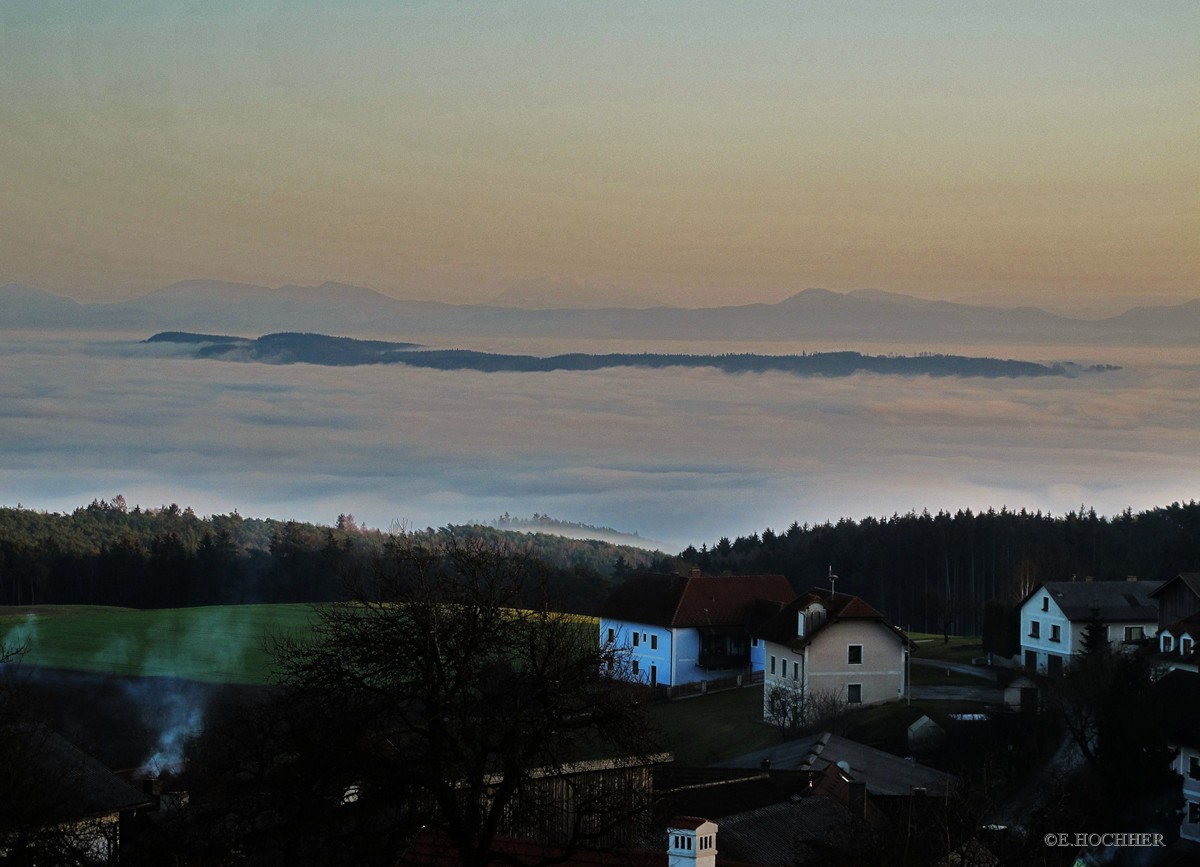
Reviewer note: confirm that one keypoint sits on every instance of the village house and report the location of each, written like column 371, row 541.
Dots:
column 681, row 629
column 833, row 645
column 1179, row 645
column 1180, row 691
column 1178, row 598
column 1055, row 615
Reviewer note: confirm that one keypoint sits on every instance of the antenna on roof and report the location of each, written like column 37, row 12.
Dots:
column 832, row 582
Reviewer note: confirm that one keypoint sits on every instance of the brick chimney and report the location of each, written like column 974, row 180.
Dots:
column 691, row 842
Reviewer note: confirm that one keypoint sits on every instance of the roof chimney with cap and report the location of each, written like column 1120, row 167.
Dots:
column 691, row 842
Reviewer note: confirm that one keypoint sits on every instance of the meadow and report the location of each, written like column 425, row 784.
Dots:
column 217, row 644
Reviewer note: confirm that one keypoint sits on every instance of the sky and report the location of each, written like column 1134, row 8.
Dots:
column 692, row 153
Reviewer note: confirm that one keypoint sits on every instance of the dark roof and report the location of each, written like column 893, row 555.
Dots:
column 697, row 600
column 73, row 784
column 724, row 791
column 1191, row 580
column 771, row 836
column 433, row 848
column 1110, row 601
column 781, row 628
column 884, row 773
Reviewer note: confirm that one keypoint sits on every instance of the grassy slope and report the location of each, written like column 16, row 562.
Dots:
column 220, row 644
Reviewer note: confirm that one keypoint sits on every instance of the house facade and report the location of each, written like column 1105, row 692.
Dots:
column 1178, row 598
column 680, row 629
column 1055, row 616
column 1179, row 645
column 1179, row 690
column 832, row 644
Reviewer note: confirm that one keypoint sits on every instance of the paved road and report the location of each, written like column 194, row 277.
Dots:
column 980, row 671
column 988, row 692
column 985, row 694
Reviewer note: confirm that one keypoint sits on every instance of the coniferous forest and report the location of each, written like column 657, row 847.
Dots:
column 926, row 572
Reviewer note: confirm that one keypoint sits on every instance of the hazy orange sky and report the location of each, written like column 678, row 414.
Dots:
column 683, row 153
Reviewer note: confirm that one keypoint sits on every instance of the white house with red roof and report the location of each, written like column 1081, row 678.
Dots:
column 680, row 629
column 833, row 644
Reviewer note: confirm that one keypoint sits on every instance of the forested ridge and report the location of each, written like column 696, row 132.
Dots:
column 938, row 572
column 926, row 572
column 107, row 553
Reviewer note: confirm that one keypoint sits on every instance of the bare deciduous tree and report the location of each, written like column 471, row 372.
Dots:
column 458, row 692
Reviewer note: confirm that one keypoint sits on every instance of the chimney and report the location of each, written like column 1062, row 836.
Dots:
column 691, row 842
column 694, row 572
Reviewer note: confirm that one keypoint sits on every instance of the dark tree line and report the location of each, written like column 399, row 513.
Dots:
column 109, row 554
column 936, row 573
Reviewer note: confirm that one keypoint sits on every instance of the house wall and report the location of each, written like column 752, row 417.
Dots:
column 782, row 655
column 1069, row 640
column 1176, row 602
column 1071, row 635
column 687, row 660
column 881, row 672
column 652, row 652
column 1191, row 792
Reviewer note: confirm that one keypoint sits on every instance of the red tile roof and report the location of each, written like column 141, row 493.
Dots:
column 696, row 600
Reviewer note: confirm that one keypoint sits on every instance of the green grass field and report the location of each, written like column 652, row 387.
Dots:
column 960, row 648
column 220, row 644
column 714, row 727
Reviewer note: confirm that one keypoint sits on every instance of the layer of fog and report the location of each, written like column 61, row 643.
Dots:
column 680, row 455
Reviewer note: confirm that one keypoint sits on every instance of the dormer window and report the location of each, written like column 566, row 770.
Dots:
column 1166, row 642
column 1186, row 645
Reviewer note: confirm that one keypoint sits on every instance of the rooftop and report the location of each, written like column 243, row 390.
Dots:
column 884, row 773
column 1108, row 601
column 697, row 600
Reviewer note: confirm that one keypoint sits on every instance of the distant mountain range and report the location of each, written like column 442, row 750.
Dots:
column 814, row 314
column 292, row 348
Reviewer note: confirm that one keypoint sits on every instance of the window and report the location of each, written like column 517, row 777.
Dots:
column 654, row 642
column 612, row 635
column 1166, row 642
column 772, row 663
column 1186, row 646
column 1035, row 629
column 636, row 635
column 1134, row 633
column 754, row 642
column 1045, row 603
column 1054, row 633
column 854, row 654
column 854, row 693
column 635, row 667
column 1193, row 813
column 1194, row 767
column 795, row 670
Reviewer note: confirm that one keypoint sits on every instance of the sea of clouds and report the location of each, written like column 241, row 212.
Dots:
column 682, row 456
